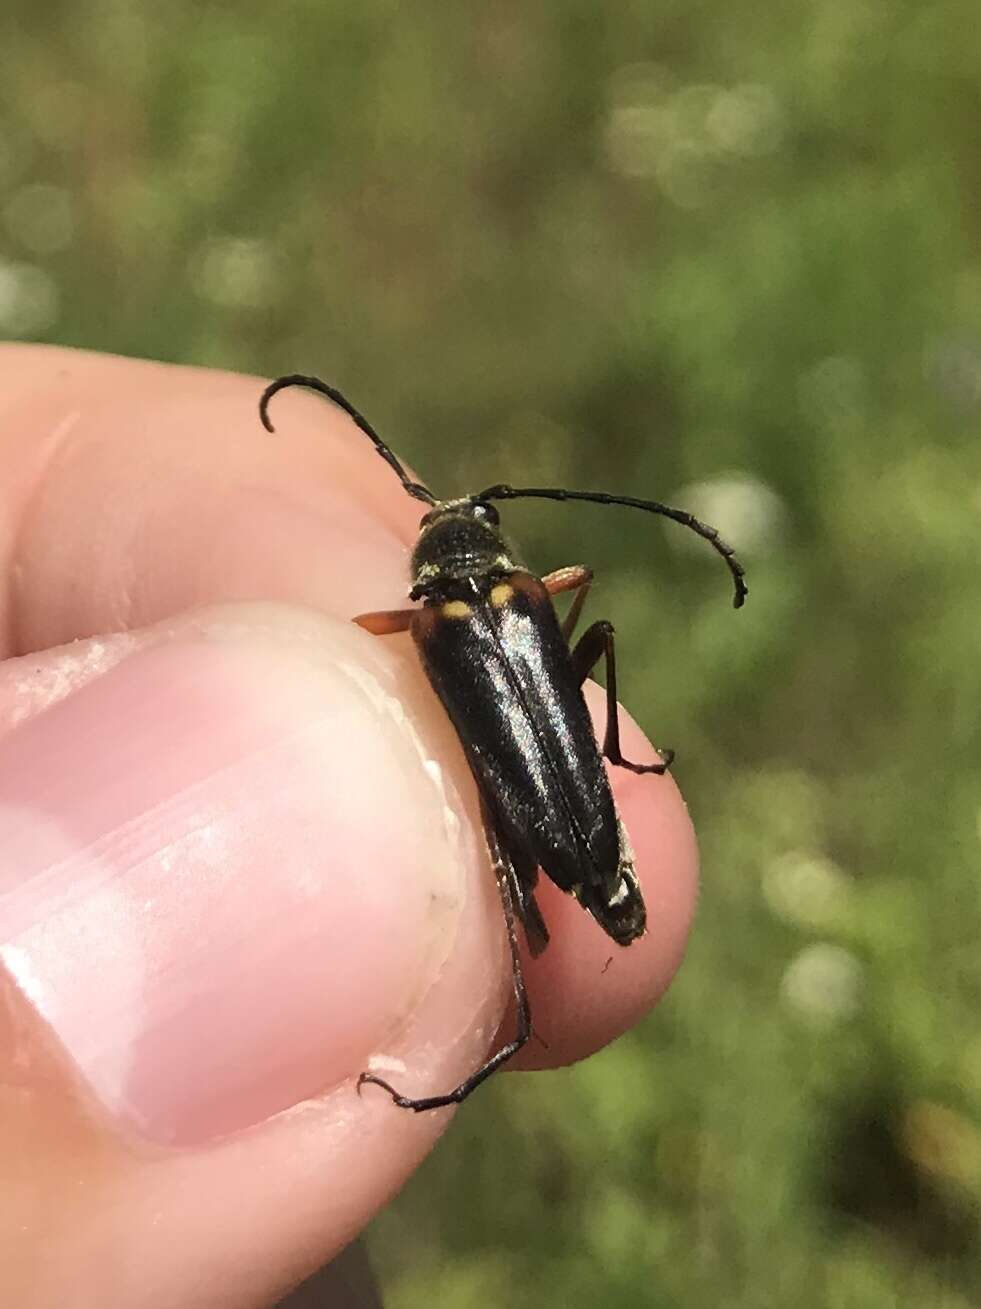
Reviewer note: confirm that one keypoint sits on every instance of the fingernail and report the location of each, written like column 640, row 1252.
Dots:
column 229, row 870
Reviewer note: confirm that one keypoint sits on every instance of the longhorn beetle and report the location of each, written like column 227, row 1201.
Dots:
column 500, row 661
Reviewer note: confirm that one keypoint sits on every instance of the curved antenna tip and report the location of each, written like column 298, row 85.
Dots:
column 414, row 489
column 708, row 533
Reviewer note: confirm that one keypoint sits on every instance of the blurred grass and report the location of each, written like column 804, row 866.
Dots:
column 727, row 255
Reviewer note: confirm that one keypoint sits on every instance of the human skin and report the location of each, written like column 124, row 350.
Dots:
column 240, row 851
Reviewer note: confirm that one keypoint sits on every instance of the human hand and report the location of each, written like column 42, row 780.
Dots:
column 240, row 851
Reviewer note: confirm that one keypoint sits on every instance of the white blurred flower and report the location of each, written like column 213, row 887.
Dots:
column 823, row 984
column 676, row 134
column 236, row 272
column 28, row 299
column 745, row 120
column 742, row 507
column 806, row 889
column 636, row 138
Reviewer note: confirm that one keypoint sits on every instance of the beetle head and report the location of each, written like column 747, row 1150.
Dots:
column 458, row 539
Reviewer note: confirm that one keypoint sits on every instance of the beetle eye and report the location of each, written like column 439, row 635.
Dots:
column 486, row 511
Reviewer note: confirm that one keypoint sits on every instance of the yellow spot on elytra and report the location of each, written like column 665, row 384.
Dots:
column 456, row 609
column 501, row 594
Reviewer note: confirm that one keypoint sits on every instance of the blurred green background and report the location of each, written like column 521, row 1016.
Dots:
column 725, row 254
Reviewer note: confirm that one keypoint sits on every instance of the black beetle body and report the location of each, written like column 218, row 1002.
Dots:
column 502, row 665
column 491, row 645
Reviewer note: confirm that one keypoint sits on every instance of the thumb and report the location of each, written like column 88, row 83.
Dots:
column 230, row 874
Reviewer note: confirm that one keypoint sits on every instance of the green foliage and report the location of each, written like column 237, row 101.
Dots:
column 722, row 253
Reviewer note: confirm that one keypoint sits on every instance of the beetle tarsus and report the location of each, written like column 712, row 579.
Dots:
column 403, row 1101
column 459, row 1093
column 658, row 769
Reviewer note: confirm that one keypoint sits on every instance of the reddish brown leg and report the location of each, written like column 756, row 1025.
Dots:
column 385, row 622
column 576, row 577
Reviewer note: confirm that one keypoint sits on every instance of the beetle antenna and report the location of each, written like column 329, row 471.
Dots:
column 686, row 519
column 415, row 489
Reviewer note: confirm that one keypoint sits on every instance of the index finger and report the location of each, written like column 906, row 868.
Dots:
column 135, row 490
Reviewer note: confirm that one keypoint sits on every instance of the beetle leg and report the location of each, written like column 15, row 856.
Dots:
column 578, row 578
column 521, row 870
column 385, row 622
column 505, row 874
column 597, row 642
